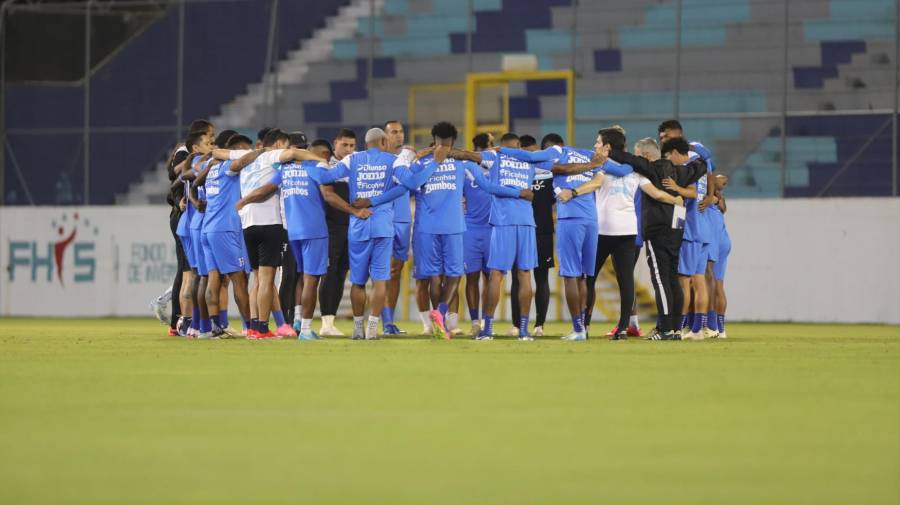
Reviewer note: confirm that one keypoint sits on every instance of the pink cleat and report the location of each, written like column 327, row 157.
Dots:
column 438, row 330
column 285, row 330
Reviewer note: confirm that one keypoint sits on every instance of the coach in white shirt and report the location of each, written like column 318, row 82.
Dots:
column 617, row 229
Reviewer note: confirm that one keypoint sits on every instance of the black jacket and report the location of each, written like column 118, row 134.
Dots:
column 542, row 206
column 656, row 217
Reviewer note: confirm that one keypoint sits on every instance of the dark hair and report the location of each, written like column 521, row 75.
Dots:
column 481, row 141
column 551, row 139
column 527, row 141
column 238, row 139
column 298, row 139
column 345, row 133
column 614, row 137
column 274, row 135
column 444, row 130
column 389, row 121
column 509, row 136
column 675, row 144
column 223, row 137
column 199, row 125
column 261, row 134
column 323, row 143
column 193, row 139
column 671, row 124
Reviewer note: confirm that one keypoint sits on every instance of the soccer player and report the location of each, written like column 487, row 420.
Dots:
column 291, row 284
column 438, row 181
column 223, row 244
column 477, row 240
column 396, row 136
column 662, row 227
column 304, row 211
column 723, row 240
column 332, row 287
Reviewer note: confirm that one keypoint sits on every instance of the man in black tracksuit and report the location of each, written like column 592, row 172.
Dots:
column 662, row 229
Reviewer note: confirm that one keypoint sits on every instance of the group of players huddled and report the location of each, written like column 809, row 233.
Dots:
column 243, row 209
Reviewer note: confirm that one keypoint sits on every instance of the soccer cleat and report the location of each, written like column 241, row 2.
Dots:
column 207, row 336
column 612, row 332
column 437, row 325
column 297, row 326
column 391, row 329
column 228, row 332
column 693, row 335
column 455, row 332
column 634, row 331
column 179, row 327
column 159, row 309
column 251, row 334
column 267, row 336
column 708, row 333
column 285, row 331
column 575, row 336
column 657, row 335
column 193, row 333
column 622, row 335
column 476, row 329
column 308, row 335
column 721, row 335
column 526, row 338
column 358, row 334
column 484, row 336
column 684, row 331
column 372, row 334
column 512, row 332
column 396, row 330
column 331, row 331
column 538, row 331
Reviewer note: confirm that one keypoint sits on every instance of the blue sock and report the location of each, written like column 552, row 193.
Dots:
column 205, row 325
column 473, row 314
column 684, row 320
column 214, row 322
column 698, row 322
column 721, row 322
column 195, row 314
column 187, row 323
column 223, row 318
column 254, row 324
column 387, row 316
column 713, row 319
column 279, row 318
column 488, row 325
column 442, row 308
column 523, row 326
column 578, row 323
column 264, row 326
column 195, row 322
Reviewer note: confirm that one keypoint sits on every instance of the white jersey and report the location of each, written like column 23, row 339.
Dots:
column 253, row 176
column 615, row 204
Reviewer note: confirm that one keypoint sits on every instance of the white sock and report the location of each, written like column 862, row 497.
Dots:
column 328, row 321
column 358, row 322
column 426, row 320
column 633, row 321
column 305, row 325
column 298, row 311
column 452, row 321
column 372, row 329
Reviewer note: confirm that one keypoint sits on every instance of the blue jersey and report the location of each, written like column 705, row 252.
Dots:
column 370, row 174
column 697, row 226
column 478, row 205
column 439, row 207
column 185, row 220
column 402, row 212
column 511, row 173
column 197, row 219
column 304, row 208
column 716, row 220
column 223, row 190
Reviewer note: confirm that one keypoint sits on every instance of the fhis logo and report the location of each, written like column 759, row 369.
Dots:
column 41, row 259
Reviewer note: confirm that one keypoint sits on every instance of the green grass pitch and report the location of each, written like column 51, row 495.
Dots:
column 112, row 411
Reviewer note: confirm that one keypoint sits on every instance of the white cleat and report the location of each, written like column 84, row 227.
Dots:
column 358, row 334
column 708, row 333
column 476, row 329
column 330, row 331
column 538, row 331
column 455, row 332
column 484, row 337
column 721, row 335
column 575, row 336
column 526, row 338
column 693, row 335
column 512, row 332
column 372, row 334
column 206, row 336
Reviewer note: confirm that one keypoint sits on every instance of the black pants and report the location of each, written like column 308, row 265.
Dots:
column 624, row 255
column 289, row 277
column 541, row 294
column 662, row 258
column 331, row 290
column 182, row 262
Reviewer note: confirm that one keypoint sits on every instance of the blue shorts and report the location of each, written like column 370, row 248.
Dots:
column 188, row 250
column 576, row 247
column 370, row 258
column 476, row 248
column 438, row 255
column 224, row 251
column 513, row 245
column 693, row 257
column 199, row 255
column 401, row 241
column 311, row 255
column 724, row 247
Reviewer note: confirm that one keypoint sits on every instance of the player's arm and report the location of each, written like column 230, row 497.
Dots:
column 245, row 160
column 497, row 189
column 459, row 154
column 585, row 189
column 340, row 204
column 661, row 196
column 195, row 199
column 295, row 154
column 671, row 185
column 638, row 164
column 259, row 194
column 551, row 153
column 230, row 154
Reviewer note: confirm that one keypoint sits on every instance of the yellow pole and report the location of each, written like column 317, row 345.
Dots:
column 470, row 110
